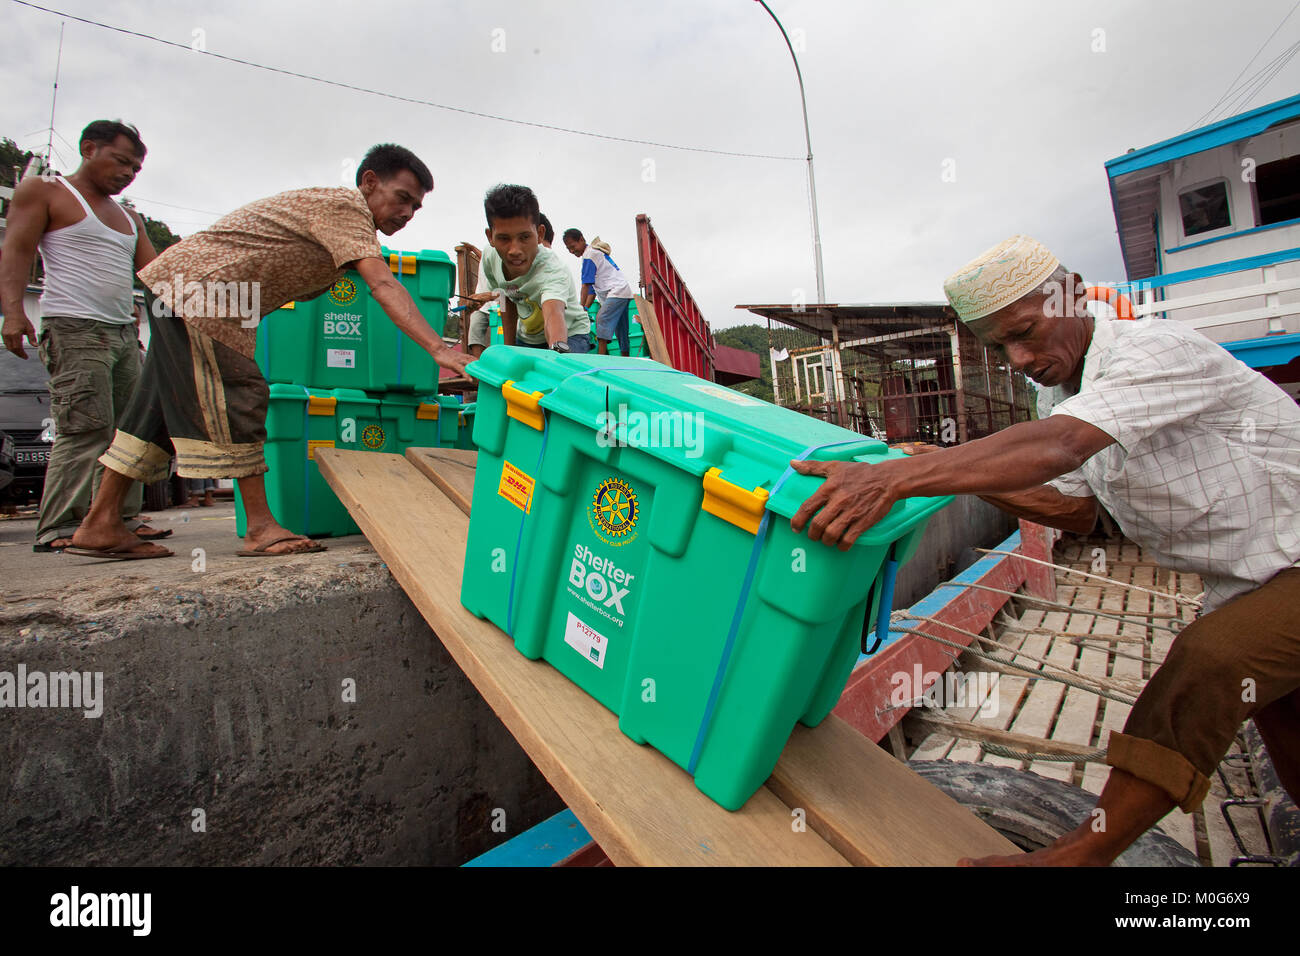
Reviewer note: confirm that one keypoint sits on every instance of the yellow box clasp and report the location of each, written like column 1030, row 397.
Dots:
column 405, row 263
column 321, row 405
column 522, row 406
column 741, row 507
column 427, row 412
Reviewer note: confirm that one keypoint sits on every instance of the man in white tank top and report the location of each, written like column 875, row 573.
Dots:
column 91, row 247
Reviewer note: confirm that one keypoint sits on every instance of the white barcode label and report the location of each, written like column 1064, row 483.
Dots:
column 587, row 641
column 340, row 358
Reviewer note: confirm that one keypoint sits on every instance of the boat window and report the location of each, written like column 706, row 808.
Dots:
column 1204, row 208
column 1277, row 190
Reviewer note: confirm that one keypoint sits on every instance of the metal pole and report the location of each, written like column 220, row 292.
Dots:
column 54, row 98
column 812, row 186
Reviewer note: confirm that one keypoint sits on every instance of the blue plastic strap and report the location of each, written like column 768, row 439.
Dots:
column 885, row 610
column 760, row 538
column 519, row 540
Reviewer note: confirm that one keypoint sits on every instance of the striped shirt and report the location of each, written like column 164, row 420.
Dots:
column 1205, row 469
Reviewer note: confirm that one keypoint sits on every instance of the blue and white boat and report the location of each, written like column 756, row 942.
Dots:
column 1209, row 228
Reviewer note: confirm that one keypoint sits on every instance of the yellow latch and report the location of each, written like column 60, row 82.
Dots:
column 407, row 264
column 427, row 412
column 523, row 407
column 732, row 503
column 321, row 405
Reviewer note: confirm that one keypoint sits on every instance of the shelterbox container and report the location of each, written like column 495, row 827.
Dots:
column 300, row 420
column 343, row 339
column 630, row 525
column 431, row 422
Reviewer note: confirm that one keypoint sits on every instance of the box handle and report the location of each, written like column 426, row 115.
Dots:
column 321, row 405
column 522, row 406
column 741, row 507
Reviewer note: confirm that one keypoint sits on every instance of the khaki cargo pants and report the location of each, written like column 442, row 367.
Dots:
column 1239, row 661
column 94, row 367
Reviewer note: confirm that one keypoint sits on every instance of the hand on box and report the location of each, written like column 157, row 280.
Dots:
column 455, row 361
column 853, row 497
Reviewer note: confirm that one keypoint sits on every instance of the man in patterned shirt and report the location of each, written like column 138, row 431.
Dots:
column 200, row 393
column 1196, row 456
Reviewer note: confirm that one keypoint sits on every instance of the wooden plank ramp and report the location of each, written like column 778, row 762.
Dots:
column 451, row 469
column 860, row 805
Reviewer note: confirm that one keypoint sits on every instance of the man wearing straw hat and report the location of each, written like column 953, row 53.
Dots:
column 1197, row 458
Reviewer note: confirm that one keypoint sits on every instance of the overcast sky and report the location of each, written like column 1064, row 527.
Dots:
column 1022, row 101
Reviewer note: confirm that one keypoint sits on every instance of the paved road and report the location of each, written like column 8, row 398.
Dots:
column 25, row 574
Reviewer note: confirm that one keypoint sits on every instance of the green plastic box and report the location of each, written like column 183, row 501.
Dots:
column 300, row 420
column 343, row 339
column 428, row 422
column 630, row 525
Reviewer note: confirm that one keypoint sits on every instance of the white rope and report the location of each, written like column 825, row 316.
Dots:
column 1178, row 598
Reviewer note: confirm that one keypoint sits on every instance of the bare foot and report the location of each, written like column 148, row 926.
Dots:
column 1072, row 849
column 259, row 538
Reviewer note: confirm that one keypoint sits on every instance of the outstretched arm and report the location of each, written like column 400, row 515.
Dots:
column 1017, row 459
column 1044, row 504
column 400, row 307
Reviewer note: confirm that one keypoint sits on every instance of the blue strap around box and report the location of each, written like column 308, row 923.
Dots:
column 747, row 584
column 514, row 566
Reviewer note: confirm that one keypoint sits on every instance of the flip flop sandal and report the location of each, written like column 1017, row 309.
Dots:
column 117, row 554
column 263, row 553
column 46, row 547
column 154, row 534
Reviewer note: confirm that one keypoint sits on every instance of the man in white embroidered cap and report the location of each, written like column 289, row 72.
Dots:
column 1147, row 419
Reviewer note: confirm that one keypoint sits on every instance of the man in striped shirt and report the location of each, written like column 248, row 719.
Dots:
column 1196, row 456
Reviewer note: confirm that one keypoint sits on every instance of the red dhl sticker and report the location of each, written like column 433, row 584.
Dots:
column 516, row 487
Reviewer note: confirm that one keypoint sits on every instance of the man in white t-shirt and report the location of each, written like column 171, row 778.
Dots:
column 539, row 304
column 479, row 336
column 604, row 282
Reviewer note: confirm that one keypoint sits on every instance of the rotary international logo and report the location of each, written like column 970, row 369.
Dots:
column 343, row 291
column 615, row 509
column 372, row 436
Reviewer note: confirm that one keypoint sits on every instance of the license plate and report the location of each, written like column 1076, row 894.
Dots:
column 39, row 456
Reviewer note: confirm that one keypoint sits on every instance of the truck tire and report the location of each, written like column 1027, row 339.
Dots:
column 1033, row 811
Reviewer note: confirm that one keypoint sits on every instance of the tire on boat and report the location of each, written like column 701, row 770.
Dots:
column 1033, row 811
